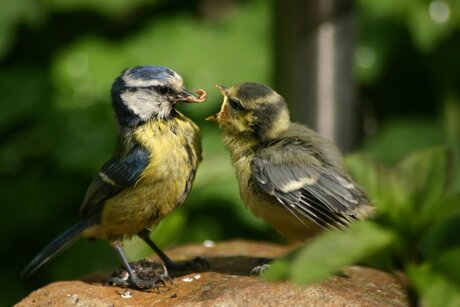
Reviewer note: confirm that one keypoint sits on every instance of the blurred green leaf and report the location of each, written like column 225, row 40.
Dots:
column 417, row 185
column 429, row 22
column 332, row 251
column 279, row 270
column 433, row 288
column 25, row 104
column 389, row 8
column 426, row 32
column 87, row 68
column 452, row 126
column 378, row 181
column 442, row 235
column 426, row 177
column 401, row 137
column 14, row 13
column 113, row 7
column 448, row 263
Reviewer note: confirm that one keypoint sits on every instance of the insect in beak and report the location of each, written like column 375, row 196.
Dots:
column 189, row 97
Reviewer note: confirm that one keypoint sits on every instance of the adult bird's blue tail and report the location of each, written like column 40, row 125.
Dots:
column 56, row 246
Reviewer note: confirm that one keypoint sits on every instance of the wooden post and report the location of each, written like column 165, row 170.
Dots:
column 314, row 65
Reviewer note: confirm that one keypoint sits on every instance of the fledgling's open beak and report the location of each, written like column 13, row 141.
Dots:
column 218, row 116
column 189, row 97
column 223, row 89
column 213, row 118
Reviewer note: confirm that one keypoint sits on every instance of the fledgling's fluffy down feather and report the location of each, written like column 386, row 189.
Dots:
column 287, row 174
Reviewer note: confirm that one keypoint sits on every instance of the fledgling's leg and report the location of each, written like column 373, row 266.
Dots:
column 262, row 265
column 172, row 265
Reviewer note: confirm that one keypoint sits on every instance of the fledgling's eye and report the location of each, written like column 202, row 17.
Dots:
column 235, row 104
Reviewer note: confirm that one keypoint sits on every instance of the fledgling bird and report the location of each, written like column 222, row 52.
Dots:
column 150, row 173
column 287, row 174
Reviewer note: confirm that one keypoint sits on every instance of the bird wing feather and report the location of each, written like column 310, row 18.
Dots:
column 116, row 174
column 305, row 185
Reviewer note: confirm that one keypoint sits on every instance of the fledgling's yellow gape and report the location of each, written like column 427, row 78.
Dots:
column 287, row 174
column 150, row 173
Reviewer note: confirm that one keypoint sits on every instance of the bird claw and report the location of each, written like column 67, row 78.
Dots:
column 262, row 265
column 258, row 270
column 146, row 275
column 140, row 284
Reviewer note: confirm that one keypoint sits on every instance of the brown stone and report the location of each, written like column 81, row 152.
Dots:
column 227, row 284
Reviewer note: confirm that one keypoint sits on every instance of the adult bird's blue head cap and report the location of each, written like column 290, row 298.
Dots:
column 144, row 92
column 152, row 76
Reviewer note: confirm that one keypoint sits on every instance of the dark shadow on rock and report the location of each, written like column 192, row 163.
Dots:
column 229, row 265
column 226, row 283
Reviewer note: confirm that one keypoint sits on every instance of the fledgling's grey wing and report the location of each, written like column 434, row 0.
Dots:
column 113, row 177
column 306, row 187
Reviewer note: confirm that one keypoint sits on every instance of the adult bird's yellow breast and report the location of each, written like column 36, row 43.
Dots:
column 174, row 147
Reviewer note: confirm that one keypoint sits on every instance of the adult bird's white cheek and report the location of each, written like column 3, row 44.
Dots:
column 140, row 103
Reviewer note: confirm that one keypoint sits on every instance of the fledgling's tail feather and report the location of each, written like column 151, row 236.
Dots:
column 56, row 246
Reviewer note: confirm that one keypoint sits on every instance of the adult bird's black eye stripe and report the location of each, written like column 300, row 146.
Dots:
column 163, row 90
column 157, row 88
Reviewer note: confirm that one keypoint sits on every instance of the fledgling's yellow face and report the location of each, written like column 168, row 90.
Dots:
column 233, row 116
column 251, row 108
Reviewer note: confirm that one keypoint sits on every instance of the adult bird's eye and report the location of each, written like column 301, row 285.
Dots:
column 163, row 90
column 235, row 104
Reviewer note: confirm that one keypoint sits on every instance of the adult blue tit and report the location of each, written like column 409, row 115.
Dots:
column 150, row 173
column 287, row 174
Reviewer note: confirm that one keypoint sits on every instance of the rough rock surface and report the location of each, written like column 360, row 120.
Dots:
column 227, row 283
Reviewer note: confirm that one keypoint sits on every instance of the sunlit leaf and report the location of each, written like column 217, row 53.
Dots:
column 426, row 32
column 335, row 250
column 279, row 270
column 426, row 175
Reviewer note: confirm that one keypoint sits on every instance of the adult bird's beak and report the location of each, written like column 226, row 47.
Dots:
column 218, row 116
column 189, row 97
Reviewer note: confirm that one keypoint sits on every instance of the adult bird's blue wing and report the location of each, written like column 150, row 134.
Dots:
column 114, row 176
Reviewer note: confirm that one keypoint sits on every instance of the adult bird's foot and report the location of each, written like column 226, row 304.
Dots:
column 146, row 275
column 197, row 263
column 139, row 284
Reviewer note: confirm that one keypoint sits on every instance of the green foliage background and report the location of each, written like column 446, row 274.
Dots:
column 59, row 57
column 415, row 230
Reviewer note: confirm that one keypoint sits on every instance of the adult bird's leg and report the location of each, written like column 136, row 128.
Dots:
column 172, row 265
column 133, row 279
